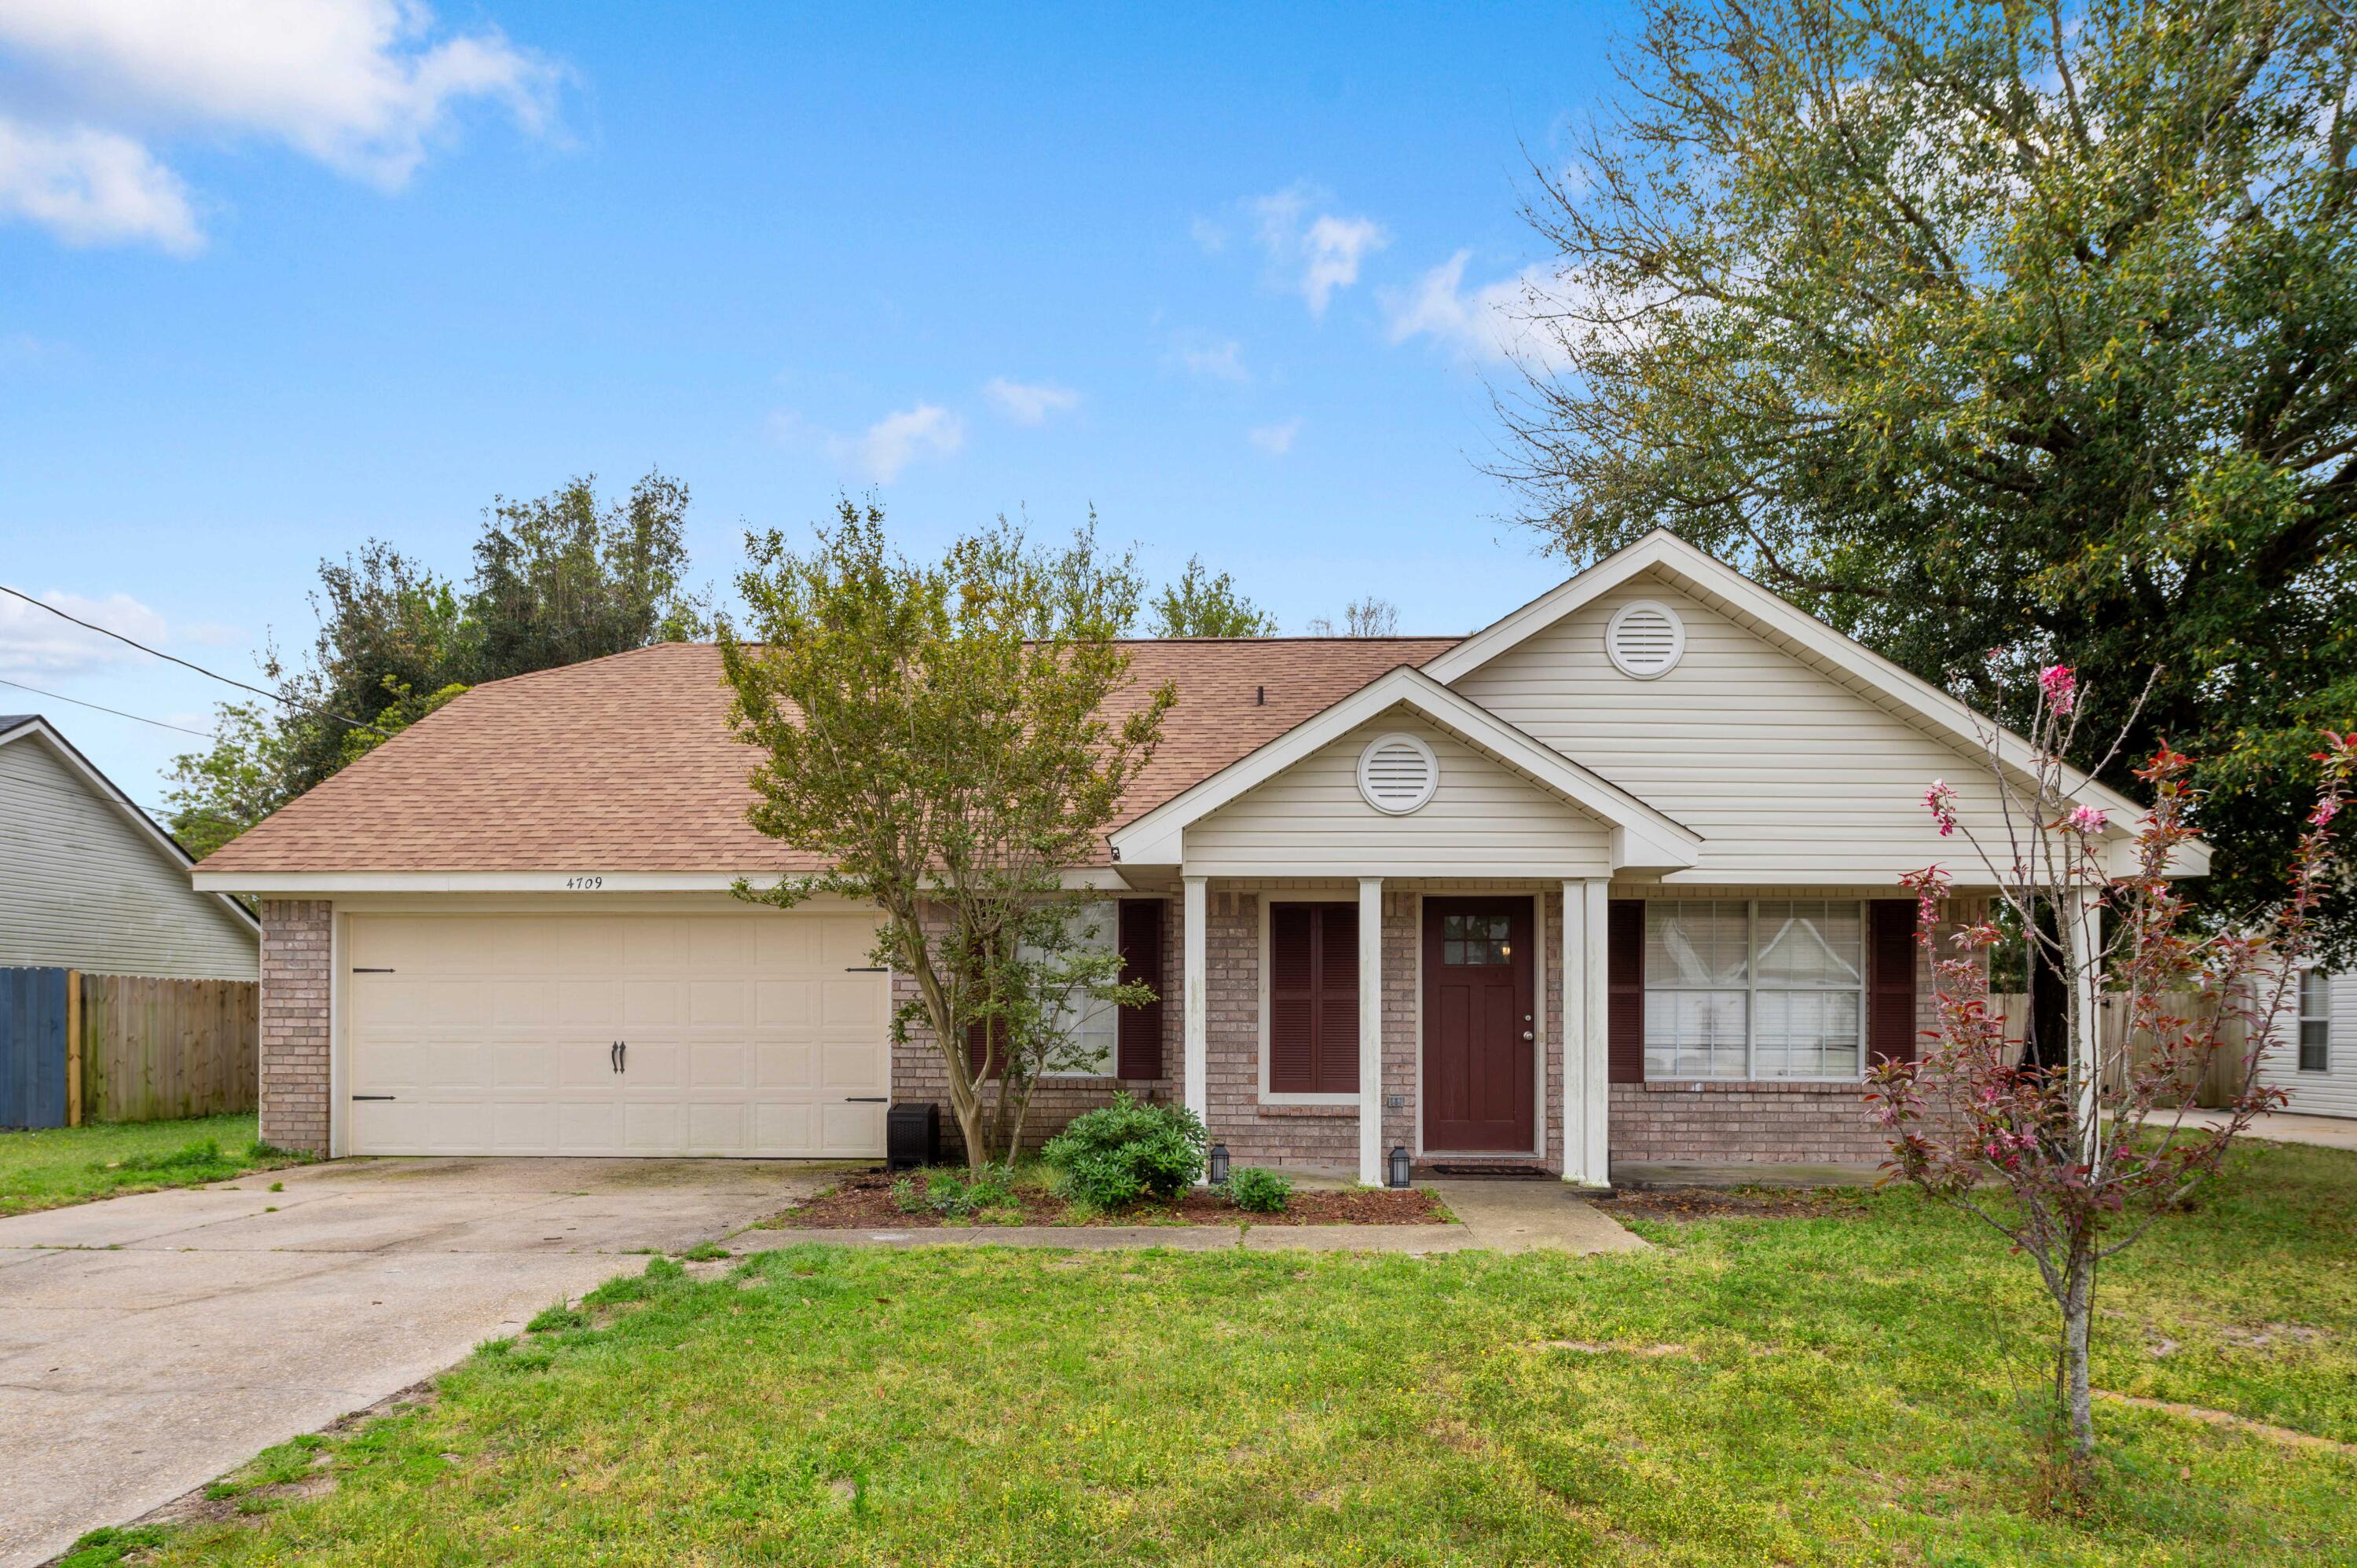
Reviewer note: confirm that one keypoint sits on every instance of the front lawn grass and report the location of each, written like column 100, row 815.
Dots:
column 58, row 1165
column 1861, row 1384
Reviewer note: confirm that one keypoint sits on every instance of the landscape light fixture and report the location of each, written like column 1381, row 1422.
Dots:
column 1219, row 1164
column 1399, row 1166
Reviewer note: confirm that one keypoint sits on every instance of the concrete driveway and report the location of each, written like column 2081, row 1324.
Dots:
column 148, row 1344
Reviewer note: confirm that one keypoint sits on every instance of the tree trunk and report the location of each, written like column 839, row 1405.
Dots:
column 2078, row 1312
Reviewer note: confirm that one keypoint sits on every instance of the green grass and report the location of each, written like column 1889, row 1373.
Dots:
column 73, row 1165
column 1858, row 1386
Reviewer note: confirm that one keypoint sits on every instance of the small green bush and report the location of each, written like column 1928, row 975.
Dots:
column 1257, row 1191
column 906, row 1198
column 956, row 1195
column 1128, row 1151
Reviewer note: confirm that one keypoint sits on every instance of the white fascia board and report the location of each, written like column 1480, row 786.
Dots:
column 1651, row 840
column 124, row 806
column 1710, row 579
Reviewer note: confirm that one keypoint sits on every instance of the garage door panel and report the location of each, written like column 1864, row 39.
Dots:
column 494, row 1034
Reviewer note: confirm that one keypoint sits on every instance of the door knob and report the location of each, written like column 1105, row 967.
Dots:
column 1526, row 1034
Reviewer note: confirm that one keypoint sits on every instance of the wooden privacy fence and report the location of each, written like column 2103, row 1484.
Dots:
column 79, row 1047
column 2212, row 1086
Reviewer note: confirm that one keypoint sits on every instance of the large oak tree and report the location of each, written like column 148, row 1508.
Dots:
column 1996, row 334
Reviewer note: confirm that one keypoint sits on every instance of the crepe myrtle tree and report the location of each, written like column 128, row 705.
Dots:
column 2074, row 1162
column 948, row 736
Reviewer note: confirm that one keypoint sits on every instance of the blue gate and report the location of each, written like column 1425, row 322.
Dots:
column 32, row 1048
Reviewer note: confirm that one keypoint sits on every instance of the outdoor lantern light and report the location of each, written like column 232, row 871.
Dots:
column 1219, row 1164
column 1399, row 1165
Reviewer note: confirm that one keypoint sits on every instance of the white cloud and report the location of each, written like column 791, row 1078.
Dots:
column 1029, row 403
column 1276, row 440
column 366, row 87
column 1210, row 237
column 1223, row 361
column 1320, row 255
column 1496, row 321
column 33, row 641
column 93, row 187
column 897, row 440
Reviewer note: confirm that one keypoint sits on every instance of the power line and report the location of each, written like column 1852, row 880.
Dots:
column 118, row 712
column 176, row 659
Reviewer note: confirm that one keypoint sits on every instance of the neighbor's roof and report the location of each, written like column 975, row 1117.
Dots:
column 627, row 763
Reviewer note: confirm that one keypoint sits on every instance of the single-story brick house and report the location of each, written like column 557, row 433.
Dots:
column 1617, row 877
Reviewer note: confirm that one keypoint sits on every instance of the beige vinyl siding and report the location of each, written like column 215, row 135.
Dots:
column 1484, row 819
column 83, row 887
column 1787, row 771
column 2332, row 1092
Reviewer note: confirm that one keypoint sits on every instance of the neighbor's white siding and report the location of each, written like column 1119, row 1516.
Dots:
column 2332, row 1092
column 1483, row 820
column 1788, row 772
column 83, row 888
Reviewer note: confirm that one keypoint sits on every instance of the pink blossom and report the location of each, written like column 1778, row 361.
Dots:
column 2326, row 810
column 1940, row 798
column 2060, row 686
column 2087, row 820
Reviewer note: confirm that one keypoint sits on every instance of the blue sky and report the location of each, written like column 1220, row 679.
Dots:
column 278, row 277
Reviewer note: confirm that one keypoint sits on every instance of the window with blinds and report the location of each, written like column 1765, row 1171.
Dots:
column 1754, row 989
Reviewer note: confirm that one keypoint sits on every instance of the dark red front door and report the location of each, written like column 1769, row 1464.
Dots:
column 1479, row 1061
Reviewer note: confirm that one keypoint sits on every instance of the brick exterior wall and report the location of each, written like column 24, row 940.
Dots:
column 296, row 958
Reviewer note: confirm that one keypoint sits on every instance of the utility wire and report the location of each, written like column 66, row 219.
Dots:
column 118, row 712
column 176, row 659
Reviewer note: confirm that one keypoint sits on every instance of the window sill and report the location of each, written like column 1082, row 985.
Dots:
column 1268, row 1098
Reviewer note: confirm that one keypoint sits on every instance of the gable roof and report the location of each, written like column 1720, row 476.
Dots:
column 1768, row 614
column 21, row 728
column 626, row 764
column 1642, row 838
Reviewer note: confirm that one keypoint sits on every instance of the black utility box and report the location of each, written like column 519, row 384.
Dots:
column 912, row 1136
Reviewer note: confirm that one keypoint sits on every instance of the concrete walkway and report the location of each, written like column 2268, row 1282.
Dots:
column 2279, row 1127
column 149, row 1344
column 1492, row 1216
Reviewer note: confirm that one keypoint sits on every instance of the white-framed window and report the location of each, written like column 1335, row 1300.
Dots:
column 2315, row 1021
column 1095, row 1023
column 1762, row 988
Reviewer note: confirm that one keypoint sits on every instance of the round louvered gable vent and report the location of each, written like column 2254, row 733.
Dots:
column 1644, row 639
column 1397, row 773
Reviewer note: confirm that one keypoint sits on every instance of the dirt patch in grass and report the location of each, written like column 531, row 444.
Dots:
column 1725, row 1203
column 866, row 1202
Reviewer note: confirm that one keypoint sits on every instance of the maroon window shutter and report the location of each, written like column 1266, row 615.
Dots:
column 1139, row 1029
column 1890, row 980
column 1313, row 998
column 1292, row 998
column 1624, row 990
column 976, row 1046
column 1337, row 1011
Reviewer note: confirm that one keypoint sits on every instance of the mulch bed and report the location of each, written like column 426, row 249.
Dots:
column 865, row 1202
column 1719, row 1203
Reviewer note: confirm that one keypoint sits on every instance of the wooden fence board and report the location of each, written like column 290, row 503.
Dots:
column 157, row 1049
column 2211, row 1087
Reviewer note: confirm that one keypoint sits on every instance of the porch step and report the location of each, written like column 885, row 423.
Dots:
column 1494, row 1170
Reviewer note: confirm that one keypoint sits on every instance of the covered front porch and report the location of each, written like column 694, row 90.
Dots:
column 1329, row 1021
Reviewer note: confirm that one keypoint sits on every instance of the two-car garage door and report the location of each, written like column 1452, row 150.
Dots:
column 746, row 1034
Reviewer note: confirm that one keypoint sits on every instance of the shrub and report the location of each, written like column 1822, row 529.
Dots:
column 1128, row 1151
column 954, row 1194
column 1257, row 1191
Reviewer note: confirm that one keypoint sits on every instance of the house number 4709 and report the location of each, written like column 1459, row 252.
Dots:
column 584, row 883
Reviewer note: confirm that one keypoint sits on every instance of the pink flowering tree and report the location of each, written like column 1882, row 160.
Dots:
column 2071, row 1164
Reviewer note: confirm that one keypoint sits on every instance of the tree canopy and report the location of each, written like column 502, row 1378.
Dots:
column 948, row 736
column 557, row 580
column 1201, row 605
column 1998, row 336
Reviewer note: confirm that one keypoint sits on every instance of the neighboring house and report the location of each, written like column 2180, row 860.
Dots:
column 1616, row 879
column 2313, row 1059
column 88, row 880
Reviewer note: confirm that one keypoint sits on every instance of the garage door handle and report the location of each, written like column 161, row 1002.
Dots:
column 864, row 1099
column 372, row 1097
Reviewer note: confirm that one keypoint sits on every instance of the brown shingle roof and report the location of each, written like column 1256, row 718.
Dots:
column 626, row 763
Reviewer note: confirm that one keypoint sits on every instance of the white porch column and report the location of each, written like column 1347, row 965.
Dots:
column 1371, row 1030
column 1586, row 1050
column 1195, row 1070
